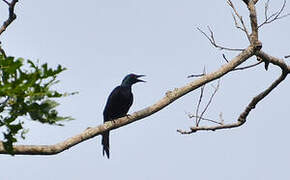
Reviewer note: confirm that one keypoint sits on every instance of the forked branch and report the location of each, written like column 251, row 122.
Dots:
column 213, row 42
column 275, row 16
column 243, row 27
column 243, row 116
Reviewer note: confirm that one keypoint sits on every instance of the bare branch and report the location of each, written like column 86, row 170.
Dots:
column 247, row 67
column 287, row 56
column 224, row 56
column 7, row 2
column 212, row 41
column 254, row 25
column 209, row 102
column 275, row 16
column 12, row 15
column 199, row 101
column 206, row 119
column 195, row 75
column 273, row 60
column 243, row 28
column 243, row 116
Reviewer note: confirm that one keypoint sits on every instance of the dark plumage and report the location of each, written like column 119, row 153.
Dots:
column 118, row 104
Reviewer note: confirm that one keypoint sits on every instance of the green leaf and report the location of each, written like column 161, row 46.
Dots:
column 28, row 88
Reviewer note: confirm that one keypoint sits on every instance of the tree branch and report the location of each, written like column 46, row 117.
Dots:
column 247, row 67
column 243, row 116
column 213, row 42
column 205, row 119
column 254, row 25
column 11, row 17
column 209, row 102
column 275, row 16
column 273, row 60
column 2, row 51
column 243, row 28
column 170, row 97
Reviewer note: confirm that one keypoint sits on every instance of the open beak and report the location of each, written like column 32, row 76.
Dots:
column 140, row 80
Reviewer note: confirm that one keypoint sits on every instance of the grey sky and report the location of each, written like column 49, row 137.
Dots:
column 102, row 41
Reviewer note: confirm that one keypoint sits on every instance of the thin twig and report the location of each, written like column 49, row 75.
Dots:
column 275, row 16
column 199, row 100
column 224, row 56
column 195, row 75
column 206, row 119
column 7, row 2
column 3, row 104
column 209, row 102
column 212, row 41
column 243, row 27
column 247, row 67
column 2, row 51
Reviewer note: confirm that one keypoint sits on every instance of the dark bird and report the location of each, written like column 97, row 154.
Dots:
column 118, row 104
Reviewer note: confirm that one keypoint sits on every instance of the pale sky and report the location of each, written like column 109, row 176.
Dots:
column 102, row 41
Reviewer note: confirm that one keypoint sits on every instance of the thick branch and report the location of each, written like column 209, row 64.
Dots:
column 170, row 97
column 254, row 24
column 273, row 60
column 11, row 17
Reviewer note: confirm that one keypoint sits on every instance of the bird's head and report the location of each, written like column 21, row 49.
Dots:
column 131, row 79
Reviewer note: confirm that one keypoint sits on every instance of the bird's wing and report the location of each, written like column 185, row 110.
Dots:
column 118, row 104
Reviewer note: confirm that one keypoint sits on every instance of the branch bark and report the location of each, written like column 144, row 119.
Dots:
column 11, row 17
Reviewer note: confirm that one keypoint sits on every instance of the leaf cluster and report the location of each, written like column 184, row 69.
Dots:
column 26, row 93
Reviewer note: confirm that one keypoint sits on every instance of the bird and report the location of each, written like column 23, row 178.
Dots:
column 118, row 104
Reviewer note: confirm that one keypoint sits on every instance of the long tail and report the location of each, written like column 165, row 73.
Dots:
column 106, row 144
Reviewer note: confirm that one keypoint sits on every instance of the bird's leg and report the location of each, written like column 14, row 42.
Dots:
column 128, row 115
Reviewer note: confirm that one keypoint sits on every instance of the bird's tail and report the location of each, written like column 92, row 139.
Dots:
column 106, row 144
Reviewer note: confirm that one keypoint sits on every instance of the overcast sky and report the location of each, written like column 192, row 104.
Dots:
column 102, row 41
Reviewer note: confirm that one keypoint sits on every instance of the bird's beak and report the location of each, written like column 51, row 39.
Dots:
column 140, row 80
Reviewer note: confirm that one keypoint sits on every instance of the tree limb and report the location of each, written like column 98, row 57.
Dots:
column 170, row 97
column 243, row 116
column 11, row 17
column 273, row 60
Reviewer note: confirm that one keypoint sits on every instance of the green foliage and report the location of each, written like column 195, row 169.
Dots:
column 25, row 91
